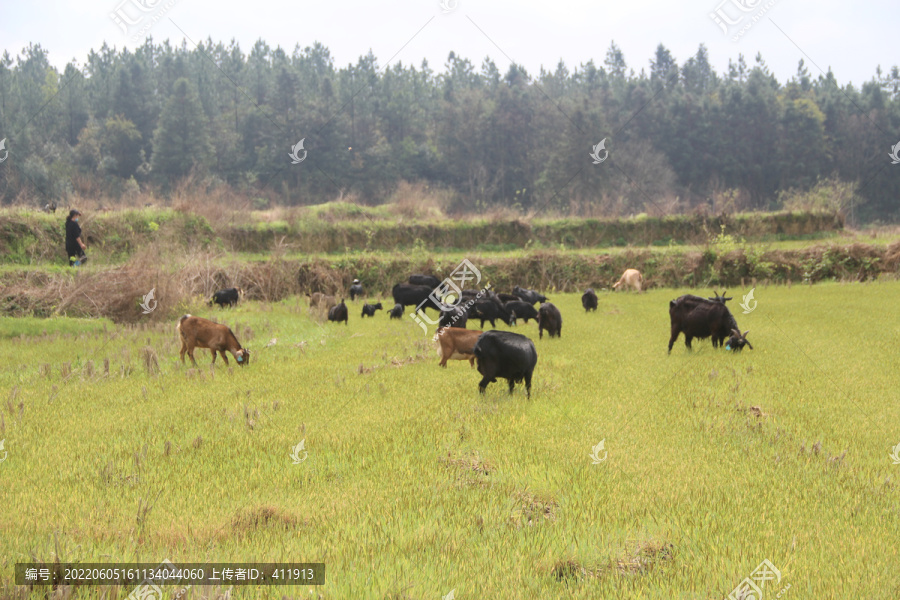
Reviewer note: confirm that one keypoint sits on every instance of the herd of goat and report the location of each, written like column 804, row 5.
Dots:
column 502, row 354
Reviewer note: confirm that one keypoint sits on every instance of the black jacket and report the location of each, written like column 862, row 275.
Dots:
column 73, row 232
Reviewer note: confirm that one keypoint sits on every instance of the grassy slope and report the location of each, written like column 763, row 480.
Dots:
column 415, row 485
column 101, row 261
column 30, row 238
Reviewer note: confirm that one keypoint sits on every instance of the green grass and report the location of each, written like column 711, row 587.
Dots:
column 415, row 484
column 33, row 326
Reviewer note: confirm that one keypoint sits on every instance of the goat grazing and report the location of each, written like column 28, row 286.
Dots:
column 196, row 332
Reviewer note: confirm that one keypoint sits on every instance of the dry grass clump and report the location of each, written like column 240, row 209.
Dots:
column 419, row 201
column 122, row 293
column 472, row 462
column 640, row 558
column 219, row 205
column 176, row 279
column 151, row 360
column 533, row 508
column 470, row 470
column 259, row 517
column 643, row 556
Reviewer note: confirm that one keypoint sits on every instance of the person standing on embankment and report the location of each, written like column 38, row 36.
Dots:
column 75, row 247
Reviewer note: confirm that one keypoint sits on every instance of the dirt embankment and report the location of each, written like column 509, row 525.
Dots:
column 179, row 281
column 28, row 237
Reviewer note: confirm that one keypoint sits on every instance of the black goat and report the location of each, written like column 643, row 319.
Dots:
column 368, row 310
column 338, row 313
column 589, row 300
column 396, row 312
column 737, row 341
column 700, row 318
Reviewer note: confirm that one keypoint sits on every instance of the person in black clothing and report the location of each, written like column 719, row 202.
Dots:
column 74, row 246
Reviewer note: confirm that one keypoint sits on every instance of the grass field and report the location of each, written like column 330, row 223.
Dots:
column 415, row 485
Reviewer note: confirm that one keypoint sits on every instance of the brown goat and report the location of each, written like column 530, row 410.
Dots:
column 320, row 300
column 201, row 333
column 314, row 299
column 457, row 344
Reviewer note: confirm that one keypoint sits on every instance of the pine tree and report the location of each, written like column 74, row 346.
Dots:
column 663, row 68
column 181, row 142
column 121, row 144
column 615, row 61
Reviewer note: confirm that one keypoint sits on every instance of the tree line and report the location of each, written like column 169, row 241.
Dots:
column 673, row 136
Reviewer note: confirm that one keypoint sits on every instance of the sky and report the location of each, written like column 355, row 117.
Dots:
column 852, row 40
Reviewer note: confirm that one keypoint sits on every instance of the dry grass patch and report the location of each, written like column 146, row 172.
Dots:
column 472, row 463
column 532, row 508
column 757, row 411
column 419, row 202
column 642, row 556
column 471, row 470
column 264, row 517
column 570, row 569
